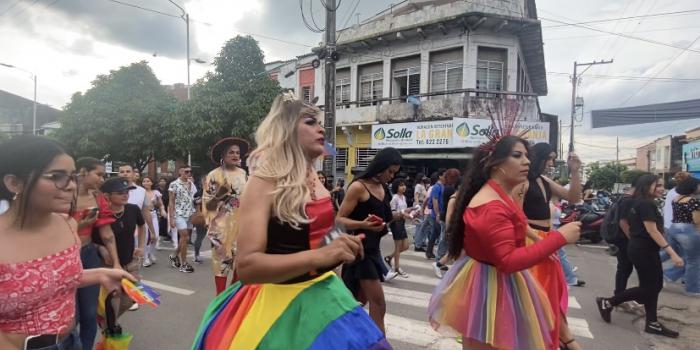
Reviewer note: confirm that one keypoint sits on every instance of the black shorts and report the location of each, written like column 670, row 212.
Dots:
column 398, row 230
column 369, row 268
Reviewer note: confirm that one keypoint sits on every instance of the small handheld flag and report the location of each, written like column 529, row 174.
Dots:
column 141, row 293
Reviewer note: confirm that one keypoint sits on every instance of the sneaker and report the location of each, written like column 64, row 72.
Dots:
column 186, row 268
column 401, row 273
column 579, row 283
column 134, row 307
column 437, row 268
column 604, row 308
column 387, row 260
column 152, row 258
column 198, row 259
column 429, row 255
column 574, row 269
column 659, row 329
column 390, row 276
column 147, row 262
column 174, row 261
column 419, row 249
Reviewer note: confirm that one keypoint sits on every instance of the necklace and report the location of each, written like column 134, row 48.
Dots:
column 118, row 216
column 311, row 183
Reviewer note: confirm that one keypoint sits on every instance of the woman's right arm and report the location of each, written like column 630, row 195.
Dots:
column 256, row 266
column 352, row 198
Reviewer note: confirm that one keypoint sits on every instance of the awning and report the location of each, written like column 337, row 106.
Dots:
column 660, row 112
column 461, row 155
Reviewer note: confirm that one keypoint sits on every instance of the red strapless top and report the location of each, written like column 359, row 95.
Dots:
column 38, row 296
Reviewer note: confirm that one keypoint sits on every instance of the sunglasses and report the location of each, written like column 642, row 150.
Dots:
column 187, row 171
column 61, row 179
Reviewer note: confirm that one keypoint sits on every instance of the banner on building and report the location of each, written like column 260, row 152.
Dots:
column 691, row 157
column 455, row 133
column 418, row 135
column 469, row 132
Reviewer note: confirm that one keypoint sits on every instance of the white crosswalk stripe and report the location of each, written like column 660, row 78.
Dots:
column 413, row 294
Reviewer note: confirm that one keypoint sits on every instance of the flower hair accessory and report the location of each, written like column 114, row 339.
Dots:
column 288, row 96
column 504, row 117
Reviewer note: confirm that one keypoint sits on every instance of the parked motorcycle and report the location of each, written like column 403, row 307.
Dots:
column 590, row 218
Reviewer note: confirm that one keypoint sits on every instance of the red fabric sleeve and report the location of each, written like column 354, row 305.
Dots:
column 507, row 256
column 105, row 215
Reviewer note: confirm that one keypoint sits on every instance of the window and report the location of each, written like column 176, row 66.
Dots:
column 341, row 160
column 364, row 156
column 342, row 90
column 490, row 69
column 371, row 87
column 445, row 76
column 523, row 81
column 407, row 82
column 306, row 94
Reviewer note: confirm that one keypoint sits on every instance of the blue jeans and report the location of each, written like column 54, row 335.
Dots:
column 423, row 234
column 86, row 300
column 569, row 274
column 442, row 245
column 687, row 237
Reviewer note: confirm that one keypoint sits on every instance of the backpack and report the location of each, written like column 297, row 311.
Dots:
column 610, row 229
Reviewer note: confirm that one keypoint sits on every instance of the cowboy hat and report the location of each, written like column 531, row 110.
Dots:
column 220, row 147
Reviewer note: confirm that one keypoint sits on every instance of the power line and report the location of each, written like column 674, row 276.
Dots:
column 606, row 35
column 622, row 35
column 629, row 77
column 347, row 20
column 143, row 8
column 668, row 64
column 686, row 12
column 314, row 28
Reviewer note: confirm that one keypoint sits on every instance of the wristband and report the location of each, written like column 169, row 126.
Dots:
column 666, row 246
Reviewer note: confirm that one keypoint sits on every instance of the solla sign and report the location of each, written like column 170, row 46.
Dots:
column 455, row 133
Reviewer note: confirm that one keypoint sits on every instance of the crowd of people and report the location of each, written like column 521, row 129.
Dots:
column 309, row 259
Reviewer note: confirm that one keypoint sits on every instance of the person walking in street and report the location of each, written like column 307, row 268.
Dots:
column 137, row 195
column 366, row 211
column 488, row 239
column 181, row 209
column 434, row 205
column 338, row 194
column 646, row 227
column 163, row 225
column 288, row 297
column 199, row 224
column 685, row 233
column 567, row 268
column 92, row 212
column 40, row 268
column 420, row 197
column 538, row 192
column 154, row 202
column 451, row 178
column 127, row 220
column 398, row 226
column 223, row 188
column 672, row 273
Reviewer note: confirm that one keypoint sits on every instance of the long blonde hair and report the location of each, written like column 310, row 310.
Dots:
column 281, row 159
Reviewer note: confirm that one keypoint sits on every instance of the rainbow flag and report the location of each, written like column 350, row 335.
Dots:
column 141, row 293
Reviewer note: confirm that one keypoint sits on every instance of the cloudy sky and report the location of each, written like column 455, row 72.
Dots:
column 68, row 42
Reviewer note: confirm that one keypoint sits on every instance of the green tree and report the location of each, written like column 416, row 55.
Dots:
column 119, row 118
column 230, row 101
column 604, row 177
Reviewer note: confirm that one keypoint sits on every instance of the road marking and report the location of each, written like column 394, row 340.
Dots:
column 579, row 327
column 573, row 303
column 406, row 297
column 592, row 246
column 417, row 264
column 416, row 332
column 168, row 288
column 420, row 279
column 415, row 254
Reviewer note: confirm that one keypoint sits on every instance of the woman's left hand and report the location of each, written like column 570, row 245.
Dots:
column 111, row 279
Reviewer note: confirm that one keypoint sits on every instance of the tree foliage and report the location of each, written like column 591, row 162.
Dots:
column 630, row 175
column 604, row 177
column 119, row 117
column 230, row 101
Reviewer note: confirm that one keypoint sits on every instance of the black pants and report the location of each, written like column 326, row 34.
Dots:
column 163, row 227
column 647, row 262
column 624, row 267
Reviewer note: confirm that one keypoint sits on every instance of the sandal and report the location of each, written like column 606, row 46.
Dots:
column 564, row 345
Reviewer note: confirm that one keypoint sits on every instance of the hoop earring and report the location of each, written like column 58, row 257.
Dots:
column 16, row 196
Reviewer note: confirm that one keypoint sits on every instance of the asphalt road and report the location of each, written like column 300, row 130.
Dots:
column 185, row 296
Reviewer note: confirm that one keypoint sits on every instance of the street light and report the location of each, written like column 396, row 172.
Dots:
column 33, row 78
column 186, row 17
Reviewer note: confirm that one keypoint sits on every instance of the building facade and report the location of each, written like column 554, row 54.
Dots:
column 426, row 77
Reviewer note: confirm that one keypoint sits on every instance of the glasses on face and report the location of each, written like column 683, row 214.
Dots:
column 60, row 179
column 187, row 171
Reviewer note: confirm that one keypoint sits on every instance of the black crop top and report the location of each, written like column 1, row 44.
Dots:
column 282, row 238
column 535, row 206
column 373, row 205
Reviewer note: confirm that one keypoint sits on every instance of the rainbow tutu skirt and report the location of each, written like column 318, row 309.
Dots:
column 504, row 310
column 316, row 314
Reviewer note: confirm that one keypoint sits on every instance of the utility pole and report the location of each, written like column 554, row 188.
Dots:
column 34, row 114
column 329, row 67
column 574, row 84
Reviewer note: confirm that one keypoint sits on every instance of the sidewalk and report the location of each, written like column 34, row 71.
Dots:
column 679, row 312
